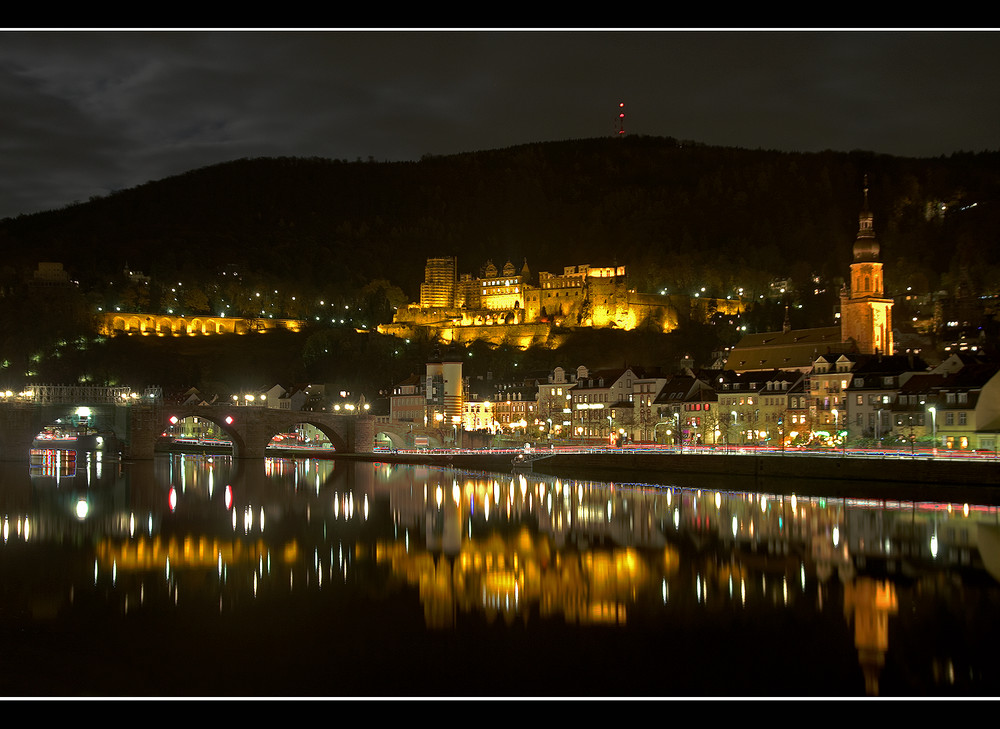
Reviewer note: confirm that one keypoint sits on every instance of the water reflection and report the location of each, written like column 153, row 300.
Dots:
column 361, row 565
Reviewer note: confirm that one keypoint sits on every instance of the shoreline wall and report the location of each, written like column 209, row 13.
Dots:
column 893, row 477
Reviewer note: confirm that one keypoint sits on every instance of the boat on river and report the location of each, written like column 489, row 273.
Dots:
column 73, row 439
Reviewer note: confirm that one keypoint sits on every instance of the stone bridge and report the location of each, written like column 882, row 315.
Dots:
column 252, row 428
column 131, row 423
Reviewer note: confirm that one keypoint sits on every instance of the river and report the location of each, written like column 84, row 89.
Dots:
column 201, row 576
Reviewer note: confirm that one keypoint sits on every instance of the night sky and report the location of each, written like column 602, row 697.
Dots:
column 84, row 113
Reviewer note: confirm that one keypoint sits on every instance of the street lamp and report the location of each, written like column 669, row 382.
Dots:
column 933, row 426
column 657, row 425
column 836, row 423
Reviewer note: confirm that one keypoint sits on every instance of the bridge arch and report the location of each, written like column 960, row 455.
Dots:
column 251, row 428
column 396, row 440
column 403, row 435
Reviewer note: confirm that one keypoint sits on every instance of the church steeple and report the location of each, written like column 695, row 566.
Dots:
column 866, row 271
column 866, row 248
column 865, row 312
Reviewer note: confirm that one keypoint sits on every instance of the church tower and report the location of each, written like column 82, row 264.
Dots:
column 865, row 312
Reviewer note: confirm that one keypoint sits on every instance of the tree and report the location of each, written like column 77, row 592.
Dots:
column 195, row 301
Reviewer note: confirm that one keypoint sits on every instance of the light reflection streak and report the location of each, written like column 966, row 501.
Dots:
column 517, row 573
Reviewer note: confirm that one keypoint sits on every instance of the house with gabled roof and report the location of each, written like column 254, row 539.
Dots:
column 686, row 410
column 602, row 402
column 867, row 408
column 967, row 408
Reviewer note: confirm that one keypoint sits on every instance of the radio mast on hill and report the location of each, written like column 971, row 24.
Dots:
column 621, row 118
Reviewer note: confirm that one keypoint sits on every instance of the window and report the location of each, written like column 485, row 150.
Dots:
column 860, row 400
column 949, row 418
column 961, row 418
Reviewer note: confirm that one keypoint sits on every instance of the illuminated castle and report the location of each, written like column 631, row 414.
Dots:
column 505, row 305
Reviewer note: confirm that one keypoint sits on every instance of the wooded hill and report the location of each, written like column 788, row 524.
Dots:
column 679, row 215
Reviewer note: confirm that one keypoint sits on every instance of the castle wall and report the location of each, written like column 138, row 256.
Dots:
column 610, row 306
column 163, row 325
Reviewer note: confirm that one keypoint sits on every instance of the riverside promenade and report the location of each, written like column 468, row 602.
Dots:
column 899, row 475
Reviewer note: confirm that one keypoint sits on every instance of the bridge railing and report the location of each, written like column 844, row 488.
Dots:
column 82, row 395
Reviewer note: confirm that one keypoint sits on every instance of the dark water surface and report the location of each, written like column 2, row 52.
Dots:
column 192, row 576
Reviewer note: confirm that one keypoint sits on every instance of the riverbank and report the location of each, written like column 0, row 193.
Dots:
column 890, row 477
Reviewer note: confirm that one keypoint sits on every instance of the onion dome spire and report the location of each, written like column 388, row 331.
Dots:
column 866, row 248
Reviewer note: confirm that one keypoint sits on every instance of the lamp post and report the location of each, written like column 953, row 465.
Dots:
column 933, row 411
column 662, row 422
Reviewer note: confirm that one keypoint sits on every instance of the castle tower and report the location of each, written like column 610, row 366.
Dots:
column 865, row 312
column 440, row 280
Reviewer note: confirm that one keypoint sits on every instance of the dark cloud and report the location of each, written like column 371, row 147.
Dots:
column 84, row 113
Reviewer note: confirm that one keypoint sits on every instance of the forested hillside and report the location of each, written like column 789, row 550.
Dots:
column 333, row 234
column 677, row 215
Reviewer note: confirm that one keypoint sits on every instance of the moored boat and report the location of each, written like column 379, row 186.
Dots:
column 67, row 441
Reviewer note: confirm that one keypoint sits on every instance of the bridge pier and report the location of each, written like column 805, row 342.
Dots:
column 143, row 425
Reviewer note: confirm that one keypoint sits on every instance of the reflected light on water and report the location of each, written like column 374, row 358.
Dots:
column 571, row 555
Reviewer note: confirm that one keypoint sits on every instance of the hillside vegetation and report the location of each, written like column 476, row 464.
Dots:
column 680, row 216
column 676, row 214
